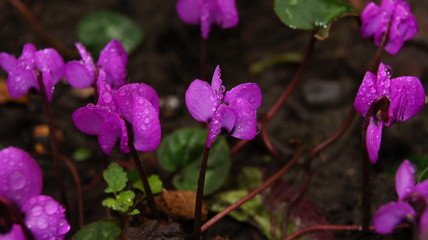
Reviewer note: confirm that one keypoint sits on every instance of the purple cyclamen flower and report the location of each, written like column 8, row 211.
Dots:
column 24, row 71
column 207, row 12
column 406, row 95
column 396, row 15
column 113, row 59
column 136, row 103
column 390, row 215
column 234, row 111
column 21, row 184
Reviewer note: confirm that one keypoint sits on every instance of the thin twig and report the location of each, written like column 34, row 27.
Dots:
column 40, row 29
column 258, row 190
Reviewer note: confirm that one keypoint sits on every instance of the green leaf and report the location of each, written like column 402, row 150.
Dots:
column 272, row 61
column 125, row 200
column 82, row 154
column 249, row 178
column 97, row 29
column 100, row 230
column 115, row 177
column 155, row 183
column 310, row 14
column 182, row 152
column 181, row 147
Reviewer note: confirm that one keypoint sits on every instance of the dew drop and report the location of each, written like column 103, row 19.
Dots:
column 147, row 120
column 122, row 92
column 51, row 207
column 17, row 180
column 36, row 211
column 146, row 111
column 41, row 223
column 107, row 97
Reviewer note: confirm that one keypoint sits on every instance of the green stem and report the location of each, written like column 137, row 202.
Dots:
column 200, row 194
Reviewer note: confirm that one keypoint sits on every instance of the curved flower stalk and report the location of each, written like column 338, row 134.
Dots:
column 136, row 103
column 406, row 97
column 208, row 12
column 234, row 110
column 409, row 193
column 84, row 73
column 393, row 17
column 24, row 72
column 20, row 191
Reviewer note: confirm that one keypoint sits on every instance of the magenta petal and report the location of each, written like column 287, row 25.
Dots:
column 248, row 91
column 146, row 125
column 371, row 20
column 225, row 118
column 405, row 179
column 200, row 100
column 125, row 96
column 20, row 176
column 407, row 98
column 373, row 139
column 246, row 126
column 423, row 225
column 216, row 81
column 390, row 215
column 77, row 75
column 28, row 55
column 15, row 233
column 45, row 218
column 113, row 59
column 89, row 119
column 49, row 61
column 366, row 94
column 421, row 188
column 228, row 14
column 208, row 11
column 8, row 62
column 20, row 81
column 112, row 129
column 189, row 11
column 86, row 56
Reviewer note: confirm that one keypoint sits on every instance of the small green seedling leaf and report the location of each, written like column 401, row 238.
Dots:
column 124, row 200
column 82, row 154
column 311, row 14
column 97, row 29
column 115, row 177
column 155, row 183
column 100, row 230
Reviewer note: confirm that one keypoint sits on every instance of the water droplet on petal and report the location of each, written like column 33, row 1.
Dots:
column 147, row 120
column 51, row 207
column 17, row 180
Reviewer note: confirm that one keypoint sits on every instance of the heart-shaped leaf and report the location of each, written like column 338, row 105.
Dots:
column 97, row 29
column 100, row 230
column 310, row 14
column 182, row 152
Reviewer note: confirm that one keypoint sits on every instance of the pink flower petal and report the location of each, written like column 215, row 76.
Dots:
column 51, row 65
column 407, row 98
column 247, row 91
column 15, row 233
column 77, row 75
column 89, row 119
column 228, row 15
column 405, row 179
column 189, row 11
column 20, row 81
column 8, row 62
column 373, row 139
column 216, row 81
column 246, row 126
column 113, row 59
column 145, row 124
column 20, row 176
column 390, row 215
column 111, row 130
column 201, row 100
column 225, row 118
column 45, row 218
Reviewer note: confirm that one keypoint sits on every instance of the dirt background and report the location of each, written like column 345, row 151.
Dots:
column 168, row 60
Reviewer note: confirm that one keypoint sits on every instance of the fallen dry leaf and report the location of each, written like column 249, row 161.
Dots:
column 179, row 204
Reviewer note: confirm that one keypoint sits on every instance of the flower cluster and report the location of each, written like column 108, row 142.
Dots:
column 234, row 110
column 111, row 66
column 406, row 95
column 393, row 213
column 24, row 72
column 207, row 12
column 21, row 185
column 393, row 17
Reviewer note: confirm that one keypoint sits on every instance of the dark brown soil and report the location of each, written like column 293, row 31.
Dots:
column 168, row 60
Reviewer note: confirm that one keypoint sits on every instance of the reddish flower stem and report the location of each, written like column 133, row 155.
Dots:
column 200, row 194
column 333, row 228
column 258, row 190
column 141, row 170
column 40, row 29
column 53, row 142
column 284, row 96
column 203, row 59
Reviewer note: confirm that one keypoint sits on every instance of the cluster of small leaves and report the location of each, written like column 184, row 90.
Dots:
column 124, row 200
